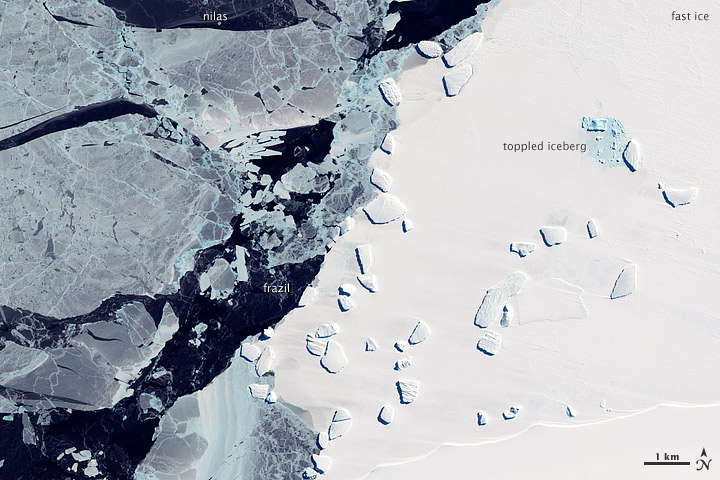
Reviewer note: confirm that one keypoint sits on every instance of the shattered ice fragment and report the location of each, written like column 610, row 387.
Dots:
column 346, row 225
column 314, row 346
column 463, row 49
column 386, row 414
column 347, row 289
column 249, row 351
column 626, row 282
column 390, row 92
column 592, row 228
column 456, row 79
column 345, row 303
column 259, row 390
column 553, row 235
column 631, row 155
column 522, row 248
column 407, row 225
column 334, row 359
column 403, row 363
column 364, row 256
column 408, row 390
column 340, row 424
column 327, row 330
column 369, row 282
column 370, row 345
column 271, row 397
column 384, row 208
column 680, row 196
column 570, row 411
column 322, row 440
column 507, row 316
column 265, row 361
column 419, row 333
column 268, row 333
column 490, row 343
column 388, row 144
column 400, row 346
column 498, row 296
column 309, row 474
column 429, row 49
column 307, row 297
column 321, row 463
column 511, row 413
column 481, row 418
column 381, row 179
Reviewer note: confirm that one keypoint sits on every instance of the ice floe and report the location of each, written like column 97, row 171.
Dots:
column 259, row 390
column 400, row 346
column 327, row 330
column 384, row 208
column 321, row 463
column 481, row 418
column 334, row 359
column 408, row 390
column 265, row 361
column 631, row 155
column 345, row 303
column 388, row 144
column 553, row 235
column 364, row 256
column 463, row 49
column 407, row 225
column 347, row 289
column 429, row 49
column 381, row 179
column 498, row 296
column 386, row 415
column 680, row 196
column 511, row 413
column 420, row 333
column 314, row 346
column 369, row 282
column 390, row 92
column 592, row 228
column 370, row 345
column 490, row 343
column 249, row 351
column 323, row 440
column 507, row 316
column 522, row 248
column 456, row 79
column 626, row 282
column 307, row 297
column 403, row 363
column 340, row 424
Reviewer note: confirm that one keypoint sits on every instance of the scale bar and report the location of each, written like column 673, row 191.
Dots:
column 666, row 463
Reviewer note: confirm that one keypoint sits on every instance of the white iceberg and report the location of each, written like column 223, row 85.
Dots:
column 408, row 390
column 370, row 345
column 249, row 351
column 420, row 333
column 631, row 155
column 327, row 330
column 400, row 346
column 345, row 303
column 390, row 92
column 626, row 282
column 403, row 363
column 265, row 361
column 456, row 79
column 323, row 440
column 463, row 49
column 680, row 196
column 340, row 424
column 490, row 343
column 511, row 413
column 498, row 296
column 407, row 225
column 381, row 179
column 307, row 297
column 314, row 346
column 384, row 208
column 369, row 282
column 429, row 49
column 592, row 228
column 553, row 235
column 386, row 414
column 259, row 390
column 507, row 316
column 522, row 248
column 388, row 144
column 334, row 359
column 347, row 289
column 321, row 462
column 346, row 225
column 364, row 256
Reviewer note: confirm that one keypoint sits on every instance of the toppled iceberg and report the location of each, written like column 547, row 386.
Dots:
column 340, row 424
column 408, row 390
column 680, row 196
column 345, row 303
column 498, row 296
column 631, row 155
column 381, row 179
column 592, row 228
column 463, row 49
column 390, row 92
column 327, row 330
column 522, row 248
column 429, row 49
column 334, row 359
column 314, row 346
column 606, row 140
column 511, row 413
column 419, row 333
column 384, row 208
column 403, row 363
column 364, row 256
column 626, row 282
column 370, row 345
column 386, row 414
column 490, row 343
column 456, row 79
column 553, row 235
column 369, row 282
column 388, row 144
column 265, row 361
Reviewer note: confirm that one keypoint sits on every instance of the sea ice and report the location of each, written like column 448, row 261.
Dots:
column 327, row 330
column 631, row 155
column 384, row 208
column 364, row 256
column 511, row 413
column 309, row 474
column 592, row 228
column 553, row 235
column 307, row 297
column 498, row 296
column 400, row 346
column 369, row 282
column 386, row 414
column 626, row 282
column 347, row 289
column 388, row 144
column 340, row 424
column 345, row 303
column 507, row 316
column 334, row 359
column 490, row 343
column 408, row 390
column 403, row 363
column 390, row 92
column 265, row 361
column 481, row 418
column 407, row 225
column 322, row 440
column 463, row 49
column 249, row 352
column 522, row 248
column 419, row 333
column 314, row 346
column 370, row 345
column 321, row 463
column 429, row 49
column 259, row 390
column 456, row 79
column 381, row 179
column 346, row 225
column 680, row 196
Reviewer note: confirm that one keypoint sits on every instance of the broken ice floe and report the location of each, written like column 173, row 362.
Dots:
column 403, row 363
column 321, row 463
column 419, row 333
column 265, row 361
column 429, row 49
column 364, row 256
column 381, row 179
column 369, row 282
column 384, row 208
column 407, row 225
column 463, row 49
column 390, row 92
column 249, row 351
column 631, row 155
column 400, row 346
column 347, row 289
column 553, row 235
column 334, row 359
column 340, row 424
column 626, row 282
column 370, row 345
column 456, row 79
column 386, row 415
column 592, row 228
column 507, row 316
column 327, row 330
column 408, row 390
column 498, row 296
column 323, row 440
column 490, row 343
column 307, row 297
column 511, row 413
column 259, row 390
column 345, row 303
column 481, row 418
column 522, row 248
column 680, row 196
column 388, row 144
column 346, row 225
column 314, row 345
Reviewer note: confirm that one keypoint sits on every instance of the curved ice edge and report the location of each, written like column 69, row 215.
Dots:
column 539, row 424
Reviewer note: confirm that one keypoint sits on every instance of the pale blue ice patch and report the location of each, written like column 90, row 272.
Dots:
column 606, row 139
